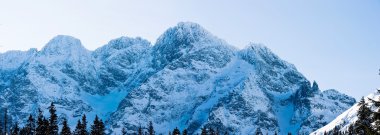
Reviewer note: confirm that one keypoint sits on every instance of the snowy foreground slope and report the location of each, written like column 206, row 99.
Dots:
column 188, row 79
column 349, row 117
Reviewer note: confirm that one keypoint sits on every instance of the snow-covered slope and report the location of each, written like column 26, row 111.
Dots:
column 202, row 81
column 348, row 117
column 188, row 79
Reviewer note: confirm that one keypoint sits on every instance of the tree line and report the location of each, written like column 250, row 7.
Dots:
column 368, row 122
column 49, row 125
column 204, row 131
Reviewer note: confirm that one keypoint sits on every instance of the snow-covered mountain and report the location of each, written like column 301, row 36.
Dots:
column 349, row 117
column 188, row 79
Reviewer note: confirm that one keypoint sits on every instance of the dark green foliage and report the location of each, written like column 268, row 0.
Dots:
column 204, row 131
column 15, row 129
column 46, row 126
column 176, row 131
column 211, row 131
column 363, row 124
column 30, row 126
column 24, row 131
column 151, row 128
column 123, row 131
column 40, row 129
column 140, row 132
column 65, row 128
column 97, row 128
column 78, row 128
column 53, row 120
column 83, row 130
column 5, row 121
column 184, row 132
column 258, row 132
column 350, row 130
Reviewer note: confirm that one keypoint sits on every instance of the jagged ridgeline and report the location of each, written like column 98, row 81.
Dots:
column 188, row 79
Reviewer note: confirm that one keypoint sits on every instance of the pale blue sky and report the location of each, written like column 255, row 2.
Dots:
column 335, row 42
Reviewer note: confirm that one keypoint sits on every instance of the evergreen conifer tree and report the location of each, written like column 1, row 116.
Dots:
column 30, row 126
column 123, row 131
column 83, row 130
column 151, row 128
column 65, row 128
column 211, row 131
column 5, row 121
column 204, row 131
column 98, row 127
column 24, row 131
column 78, row 128
column 258, row 131
column 184, row 132
column 140, row 132
column 363, row 124
column 15, row 129
column 40, row 129
column 53, row 120
column 176, row 131
column 46, row 126
column 350, row 130
column 102, row 128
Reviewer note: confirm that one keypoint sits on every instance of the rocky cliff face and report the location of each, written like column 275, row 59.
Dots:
column 188, row 79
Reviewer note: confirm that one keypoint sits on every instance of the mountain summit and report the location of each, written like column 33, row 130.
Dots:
column 188, row 79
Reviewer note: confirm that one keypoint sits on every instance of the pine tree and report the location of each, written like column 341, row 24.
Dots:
column 123, row 131
column 15, row 129
column 78, row 128
column 204, row 131
column 46, row 126
column 24, row 131
column 53, row 120
column 30, row 127
column 350, row 130
column 40, row 129
column 275, row 133
column 176, row 131
column 184, row 132
column 258, row 131
column 140, row 132
column 336, row 131
column 226, row 133
column 217, row 132
column 102, row 128
column 363, row 124
column 211, row 131
column 376, row 119
column 150, row 128
column 5, row 121
column 83, row 130
column 65, row 128
column 98, row 127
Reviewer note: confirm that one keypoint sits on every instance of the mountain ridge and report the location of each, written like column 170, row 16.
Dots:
column 189, row 79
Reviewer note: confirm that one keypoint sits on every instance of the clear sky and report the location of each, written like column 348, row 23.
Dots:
column 335, row 42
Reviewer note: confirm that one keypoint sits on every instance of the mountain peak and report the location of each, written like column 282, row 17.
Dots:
column 184, row 38
column 184, row 33
column 62, row 44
